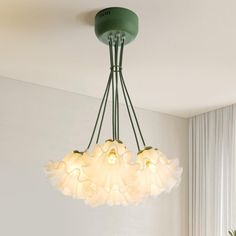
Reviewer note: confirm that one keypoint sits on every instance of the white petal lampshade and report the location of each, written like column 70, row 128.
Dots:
column 112, row 175
column 68, row 175
column 157, row 174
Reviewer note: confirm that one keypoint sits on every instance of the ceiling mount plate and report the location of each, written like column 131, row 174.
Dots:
column 116, row 20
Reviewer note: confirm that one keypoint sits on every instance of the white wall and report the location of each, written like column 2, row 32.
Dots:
column 38, row 124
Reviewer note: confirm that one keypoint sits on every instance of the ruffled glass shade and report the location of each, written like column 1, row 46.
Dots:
column 112, row 175
column 157, row 174
column 68, row 175
column 108, row 176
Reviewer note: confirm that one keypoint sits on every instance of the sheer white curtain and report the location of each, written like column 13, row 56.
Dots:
column 212, row 181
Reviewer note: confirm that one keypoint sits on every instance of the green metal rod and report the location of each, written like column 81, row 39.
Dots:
column 132, row 107
column 121, row 52
column 116, row 78
column 126, row 92
column 112, row 82
column 116, row 89
column 117, row 112
column 98, row 116
column 129, row 113
column 104, row 109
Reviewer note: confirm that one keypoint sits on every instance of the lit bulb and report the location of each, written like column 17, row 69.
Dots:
column 157, row 174
column 112, row 175
column 150, row 165
column 112, row 157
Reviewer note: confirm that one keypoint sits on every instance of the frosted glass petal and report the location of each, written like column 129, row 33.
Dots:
column 68, row 175
column 157, row 174
column 112, row 175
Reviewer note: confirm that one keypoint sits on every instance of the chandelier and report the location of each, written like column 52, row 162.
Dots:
column 107, row 173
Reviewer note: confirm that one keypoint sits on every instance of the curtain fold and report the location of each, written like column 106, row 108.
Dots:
column 212, row 183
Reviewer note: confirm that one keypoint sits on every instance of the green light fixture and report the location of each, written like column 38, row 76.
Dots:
column 107, row 173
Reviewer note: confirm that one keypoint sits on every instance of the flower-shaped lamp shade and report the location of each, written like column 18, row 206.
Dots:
column 68, row 175
column 112, row 175
column 157, row 174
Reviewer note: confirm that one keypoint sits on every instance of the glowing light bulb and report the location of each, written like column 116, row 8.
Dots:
column 150, row 165
column 147, row 163
column 112, row 174
column 157, row 174
column 112, row 157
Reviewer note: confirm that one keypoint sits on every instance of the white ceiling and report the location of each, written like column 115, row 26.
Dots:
column 183, row 61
